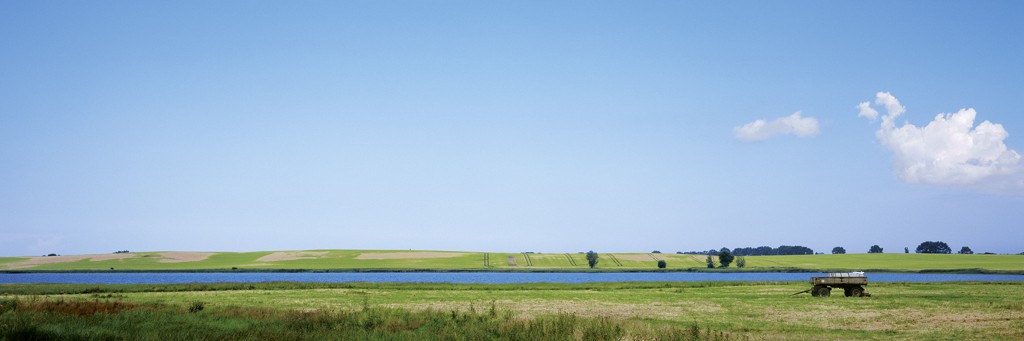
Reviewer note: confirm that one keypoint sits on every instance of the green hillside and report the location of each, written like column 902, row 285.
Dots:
column 458, row 260
column 892, row 261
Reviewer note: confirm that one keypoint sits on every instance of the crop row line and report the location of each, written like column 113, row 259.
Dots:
column 529, row 262
column 571, row 261
column 614, row 259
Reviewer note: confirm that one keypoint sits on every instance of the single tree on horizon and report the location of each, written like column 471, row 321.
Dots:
column 875, row 249
column 838, row 250
column 592, row 258
column 725, row 257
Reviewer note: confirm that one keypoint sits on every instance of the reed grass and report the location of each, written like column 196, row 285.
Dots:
column 45, row 319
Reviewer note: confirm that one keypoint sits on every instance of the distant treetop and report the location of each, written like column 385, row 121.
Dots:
column 933, row 247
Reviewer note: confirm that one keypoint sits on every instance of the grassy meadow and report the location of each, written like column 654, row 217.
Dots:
column 593, row 311
column 456, row 260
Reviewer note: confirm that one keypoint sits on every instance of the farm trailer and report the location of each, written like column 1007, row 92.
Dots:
column 852, row 284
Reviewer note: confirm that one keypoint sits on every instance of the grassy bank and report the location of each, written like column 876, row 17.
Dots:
column 115, row 320
column 932, row 311
column 405, row 260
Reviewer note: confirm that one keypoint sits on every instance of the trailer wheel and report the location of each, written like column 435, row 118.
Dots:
column 820, row 291
column 856, row 291
column 848, row 292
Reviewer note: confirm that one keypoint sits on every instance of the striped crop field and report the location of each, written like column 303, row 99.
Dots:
column 502, row 261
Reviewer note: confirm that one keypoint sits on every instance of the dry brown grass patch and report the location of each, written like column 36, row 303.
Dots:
column 74, row 307
column 292, row 255
column 181, row 257
column 590, row 308
column 34, row 261
column 408, row 255
column 640, row 258
column 908, row 320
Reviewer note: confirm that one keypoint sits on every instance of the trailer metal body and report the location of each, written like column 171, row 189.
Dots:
column 852, row 284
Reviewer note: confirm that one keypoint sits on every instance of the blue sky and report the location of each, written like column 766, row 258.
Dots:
column 509, row 126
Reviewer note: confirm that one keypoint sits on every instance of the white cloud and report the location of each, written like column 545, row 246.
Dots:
column 793, row 124
column 950, row 150
column 892, row 105
column 865, row 110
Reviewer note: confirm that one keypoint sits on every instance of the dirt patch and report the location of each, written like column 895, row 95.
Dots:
column 34, row 261
column 181, row 257
column 408, row 255
column 292, row 255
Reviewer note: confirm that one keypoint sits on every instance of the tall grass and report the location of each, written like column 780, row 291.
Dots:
column 71, row 289
column 43, row 319
column 627, row 310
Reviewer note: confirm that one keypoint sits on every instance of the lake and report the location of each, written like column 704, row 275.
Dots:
column 466, row 277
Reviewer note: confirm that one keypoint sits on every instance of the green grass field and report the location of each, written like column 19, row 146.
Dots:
column 724, row 310
column 893, row 261
column 502, row 261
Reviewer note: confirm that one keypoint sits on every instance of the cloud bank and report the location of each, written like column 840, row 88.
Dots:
column 794, row 124
column 949, row 150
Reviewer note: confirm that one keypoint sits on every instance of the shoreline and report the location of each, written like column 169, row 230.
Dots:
column 546, row 270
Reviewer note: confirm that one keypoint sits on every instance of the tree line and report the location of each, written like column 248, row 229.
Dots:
column 924, row 247
column 758, row 251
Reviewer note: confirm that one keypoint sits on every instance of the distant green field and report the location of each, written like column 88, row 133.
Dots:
column 8, row 260
column 891, row 261
column 501, row 261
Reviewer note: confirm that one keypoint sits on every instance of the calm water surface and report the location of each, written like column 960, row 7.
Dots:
column 465, row 277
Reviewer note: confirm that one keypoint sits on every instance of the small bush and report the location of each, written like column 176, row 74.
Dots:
column 662, row 264
column 196, row 306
